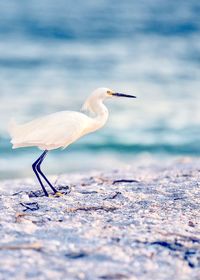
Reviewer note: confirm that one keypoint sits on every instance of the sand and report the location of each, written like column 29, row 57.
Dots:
column 138, row 223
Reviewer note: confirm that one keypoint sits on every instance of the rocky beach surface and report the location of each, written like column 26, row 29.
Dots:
column 142, row 223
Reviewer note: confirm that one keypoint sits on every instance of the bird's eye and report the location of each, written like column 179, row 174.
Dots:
column 109, row 92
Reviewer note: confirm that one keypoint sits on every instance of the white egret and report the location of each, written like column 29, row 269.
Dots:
column 60, row 129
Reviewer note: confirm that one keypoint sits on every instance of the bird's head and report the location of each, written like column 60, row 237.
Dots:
column 105, row 93
column 100, row 94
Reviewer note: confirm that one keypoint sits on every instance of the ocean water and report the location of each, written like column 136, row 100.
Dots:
column 54, row 53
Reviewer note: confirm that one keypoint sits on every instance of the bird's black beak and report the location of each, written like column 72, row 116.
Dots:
column 123, row 95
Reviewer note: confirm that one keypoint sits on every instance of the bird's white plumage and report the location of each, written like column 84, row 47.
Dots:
column 60, row 129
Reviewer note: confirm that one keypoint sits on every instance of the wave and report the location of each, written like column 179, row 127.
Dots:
column 190, row 149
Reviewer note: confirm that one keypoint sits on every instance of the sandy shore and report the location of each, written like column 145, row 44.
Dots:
column 141, row 223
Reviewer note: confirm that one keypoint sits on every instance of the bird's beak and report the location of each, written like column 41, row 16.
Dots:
column 123, row 95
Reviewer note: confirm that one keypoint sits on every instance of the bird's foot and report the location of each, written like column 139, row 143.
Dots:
column 58, row 194
column 50, row 196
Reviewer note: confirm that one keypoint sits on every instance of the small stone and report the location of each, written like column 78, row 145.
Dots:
column 76, row 255
column 191, row 224
column 24, row 198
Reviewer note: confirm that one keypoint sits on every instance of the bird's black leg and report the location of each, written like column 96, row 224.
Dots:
column 34, row 166
column 42, row 174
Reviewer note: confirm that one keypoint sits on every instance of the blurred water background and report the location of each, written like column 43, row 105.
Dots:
column 54, row 53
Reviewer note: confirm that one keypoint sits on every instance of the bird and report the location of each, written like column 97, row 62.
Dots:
column 60, row 129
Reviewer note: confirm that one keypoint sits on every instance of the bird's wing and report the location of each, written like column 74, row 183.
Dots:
column 52, row 131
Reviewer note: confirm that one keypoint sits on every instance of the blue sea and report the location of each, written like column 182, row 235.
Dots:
column 54, row 53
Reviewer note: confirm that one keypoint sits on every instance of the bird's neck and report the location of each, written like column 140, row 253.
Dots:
column 99, row 112
column 99, row 108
